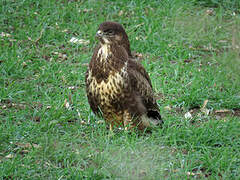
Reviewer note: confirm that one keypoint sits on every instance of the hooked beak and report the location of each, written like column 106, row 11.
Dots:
column 99, row 34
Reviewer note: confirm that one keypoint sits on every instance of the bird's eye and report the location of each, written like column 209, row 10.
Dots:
column 109, row 31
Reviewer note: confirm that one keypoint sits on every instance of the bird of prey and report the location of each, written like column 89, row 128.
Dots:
column 118, row 87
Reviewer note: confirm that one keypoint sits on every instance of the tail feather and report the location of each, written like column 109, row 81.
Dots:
column 152, row 119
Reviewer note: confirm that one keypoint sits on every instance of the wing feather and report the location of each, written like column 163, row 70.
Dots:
column 91, row 99
column 140, row 83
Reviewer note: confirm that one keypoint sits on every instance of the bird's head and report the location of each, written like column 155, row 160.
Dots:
column 113, row 33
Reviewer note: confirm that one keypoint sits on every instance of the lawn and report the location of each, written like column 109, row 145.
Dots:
column 191, row 52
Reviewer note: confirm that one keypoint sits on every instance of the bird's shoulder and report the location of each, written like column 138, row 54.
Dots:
column 137, row 70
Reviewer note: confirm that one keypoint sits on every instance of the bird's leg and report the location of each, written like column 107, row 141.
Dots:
column 111, row 132
column 127, row 120
column 111, row 127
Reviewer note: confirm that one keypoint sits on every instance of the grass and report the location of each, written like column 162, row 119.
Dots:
column 192, row 55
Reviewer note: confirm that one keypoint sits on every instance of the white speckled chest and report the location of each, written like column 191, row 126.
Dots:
column 107, row 90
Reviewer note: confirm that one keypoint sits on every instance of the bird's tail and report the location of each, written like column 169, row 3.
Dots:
column 152, row 119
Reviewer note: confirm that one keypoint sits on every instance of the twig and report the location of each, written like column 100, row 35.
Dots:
column 41, row 33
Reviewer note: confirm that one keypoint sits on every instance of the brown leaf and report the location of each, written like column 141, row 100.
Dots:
column 193, row 174
column 168, row 108
column 67, row 105
column 137, row 54
column 223, row 111
column 188, row 115
column 159, row 96
column 236, row 112
column 75, row 40
column 3, row 34
column 61, row 55
column 85, row 64
column 24, row 151
column 9, row 156
column 78, row 112
column 204, row 104
column 87, row 10
column 187, row 60
column 210, row 12
column 65, row 30
column 36, row 119
column 27, row 145
column 72, row 87
column 24, row 64
column 138, row 25
column 205, row 111
column 12, row 40
column 173, row 62
column 120, row 13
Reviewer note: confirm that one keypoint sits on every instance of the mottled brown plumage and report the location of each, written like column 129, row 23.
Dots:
column 117, row 86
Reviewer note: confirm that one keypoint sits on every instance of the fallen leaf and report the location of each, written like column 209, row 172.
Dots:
column 23, row 145
column 29, row 38
column 191, row 47
column 3, row 34
column 24, row 151
column 24, row 64
column 75, row 40
column 223, row 111
column 67, row 105
column 12, row 40
column 173, row 62
column 210, row 12
column 138, row 25
column 36, row 119
column 187, row 60
column 193, row 174
column 142, row 173
column 78, row 112
column 167, row 108
column 10, row 156
column 159, row 96
column 85, row 64
column 138, row 56
column 222, row 41
column 65, row 30
column 120, row 13
column 100, row 122
column 27, row 145
column 87, row 10
column 72, row 87
column 63, row 56
column 57, row 26
column 204, row 109
column 188, row 115
column 83, row 122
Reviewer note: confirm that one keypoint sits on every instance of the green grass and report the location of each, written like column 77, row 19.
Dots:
column 191, row 52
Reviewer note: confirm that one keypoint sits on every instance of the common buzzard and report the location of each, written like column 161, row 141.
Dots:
column 117, row 86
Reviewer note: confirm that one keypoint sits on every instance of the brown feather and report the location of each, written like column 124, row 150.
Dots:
column 118, row 86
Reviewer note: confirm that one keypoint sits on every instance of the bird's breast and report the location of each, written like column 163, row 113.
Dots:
column 107, row 90
column 103, row 52
column 110, row 88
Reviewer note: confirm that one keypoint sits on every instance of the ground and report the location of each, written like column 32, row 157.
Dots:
column 191, row 51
